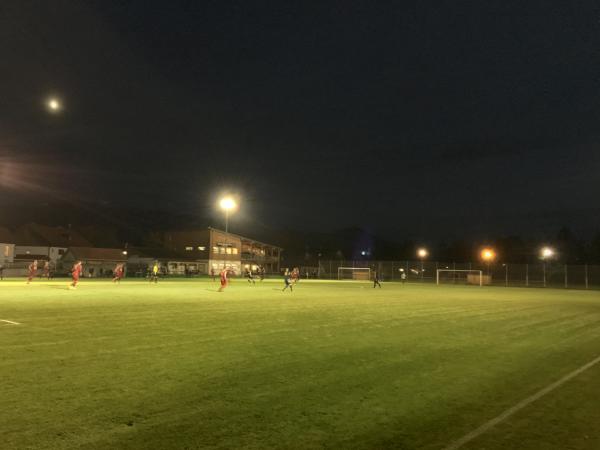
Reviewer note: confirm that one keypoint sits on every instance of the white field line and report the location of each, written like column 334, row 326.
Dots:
column 522, row 404
column 10, row 321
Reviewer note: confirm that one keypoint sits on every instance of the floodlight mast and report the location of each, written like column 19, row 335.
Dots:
column 227, row 204
column 545, row 254
column 422, row 253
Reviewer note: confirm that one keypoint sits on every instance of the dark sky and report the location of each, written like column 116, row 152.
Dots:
column 417, row 118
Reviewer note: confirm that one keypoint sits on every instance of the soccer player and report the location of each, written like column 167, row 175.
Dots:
column 295, row 275
column 154, row 273
column 250, row 276
column 32, row 270
column 212, row 274
column 402, row 276
column 47, row 270
column 376, row 279
column 118, row 272
column 287, row 280
column 76, row 272
column 1, row 272
column 261, row 272
column 224, row 281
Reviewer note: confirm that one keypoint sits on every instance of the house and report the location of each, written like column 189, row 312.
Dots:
column 35, row 241
column 97, row 262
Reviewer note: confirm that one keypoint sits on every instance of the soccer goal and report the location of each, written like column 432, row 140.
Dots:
column 354, row 273
column 455, row 276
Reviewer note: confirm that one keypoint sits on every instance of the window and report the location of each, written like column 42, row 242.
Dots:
column 222, row 250
column 201, row 248
column 215, row 250
column 228, row 250
column 235, row 250
column 189, row 249
column 6, row 250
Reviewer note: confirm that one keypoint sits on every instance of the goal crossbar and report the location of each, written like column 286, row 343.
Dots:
column 438, row 271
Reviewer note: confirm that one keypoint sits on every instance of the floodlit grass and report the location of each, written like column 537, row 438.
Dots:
column 331, row 365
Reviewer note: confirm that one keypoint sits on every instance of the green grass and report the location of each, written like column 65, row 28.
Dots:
column 331, row 365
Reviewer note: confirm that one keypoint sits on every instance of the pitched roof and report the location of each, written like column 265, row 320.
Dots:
column 97, row 254
column 36, row 234
column 6, row 236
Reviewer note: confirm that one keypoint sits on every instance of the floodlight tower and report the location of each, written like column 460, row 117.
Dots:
column 488, row 255
column 227, row 204
column 546, row 253
column 422, row 253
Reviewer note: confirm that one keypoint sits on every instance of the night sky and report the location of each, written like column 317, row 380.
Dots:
column 406, row 118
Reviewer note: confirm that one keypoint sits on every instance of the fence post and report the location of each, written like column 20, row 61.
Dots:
column 544, row 271
column 586, row 277
column 506, row 275
column 526, row 275
column 330, row 274
column 566, row 280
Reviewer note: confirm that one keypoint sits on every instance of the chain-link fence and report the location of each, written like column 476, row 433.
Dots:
column 549, row 274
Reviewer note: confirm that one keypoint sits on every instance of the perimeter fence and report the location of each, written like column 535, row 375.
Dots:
column 549, row 274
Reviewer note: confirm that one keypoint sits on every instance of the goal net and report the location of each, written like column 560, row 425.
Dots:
column 454, row 276
column 354, row 273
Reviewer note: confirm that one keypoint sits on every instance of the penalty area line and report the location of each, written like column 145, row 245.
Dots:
column 522, row 404
column 10, row 321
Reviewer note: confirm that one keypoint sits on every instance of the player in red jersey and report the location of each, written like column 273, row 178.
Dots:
column 47, row 270
column 118, row 272
column 32, row 271
column 295, row 275
column 224, row 281
column 76, row 272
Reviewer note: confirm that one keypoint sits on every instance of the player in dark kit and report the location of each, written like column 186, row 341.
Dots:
column 76, row 272
column 287, row 279
column 376, row 279
column 250, row 276
column 32, row 271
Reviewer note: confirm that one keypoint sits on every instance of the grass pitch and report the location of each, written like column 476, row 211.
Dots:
column 331, row 365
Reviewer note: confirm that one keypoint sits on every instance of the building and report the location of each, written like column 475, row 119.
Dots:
column 97, row 262
column 34, row 241
column 214, row 249
column 7, row 246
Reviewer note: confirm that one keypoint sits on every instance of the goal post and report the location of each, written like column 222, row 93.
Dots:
column 461, row 276
column 354, row 273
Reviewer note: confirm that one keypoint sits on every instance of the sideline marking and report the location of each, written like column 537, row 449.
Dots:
column 10, row 321
column 522, row 404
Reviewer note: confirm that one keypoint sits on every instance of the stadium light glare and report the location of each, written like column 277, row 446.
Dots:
column 54, row 105
column 422, row 253
column 488, row 254
column 227, row 204
column 546, row 253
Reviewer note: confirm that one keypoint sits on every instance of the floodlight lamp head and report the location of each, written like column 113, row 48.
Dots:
column 227, row 204
column 422, row 253
column 547, row 253
column 488, row 254
column 53, row 105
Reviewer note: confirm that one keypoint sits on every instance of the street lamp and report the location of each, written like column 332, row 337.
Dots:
column 227, row 204
column 545, row 254
column 422, row 254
